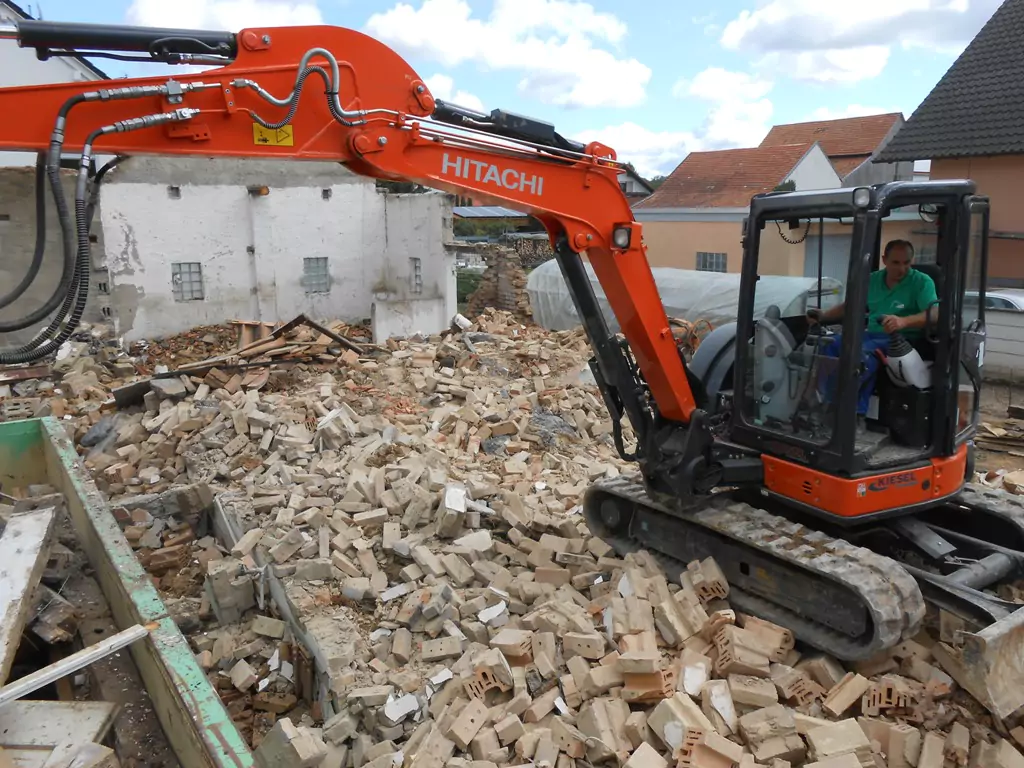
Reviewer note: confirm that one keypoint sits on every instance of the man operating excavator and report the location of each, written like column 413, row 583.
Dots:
column 899, row 298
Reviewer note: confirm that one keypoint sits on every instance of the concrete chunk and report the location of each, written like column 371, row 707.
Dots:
column 287, row 746
column 469, row 721
column 441, row 648
column 646, row 756
column 268, row 627
column 243, row 677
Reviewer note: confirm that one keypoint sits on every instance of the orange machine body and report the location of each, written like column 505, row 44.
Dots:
column 859, row 497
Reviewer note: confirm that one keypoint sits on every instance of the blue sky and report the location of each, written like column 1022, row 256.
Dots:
column 653, row 79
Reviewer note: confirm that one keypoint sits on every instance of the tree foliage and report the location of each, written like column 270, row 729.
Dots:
column 482, row 227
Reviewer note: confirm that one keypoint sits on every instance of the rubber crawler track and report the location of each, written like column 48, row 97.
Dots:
column 994, row 500
column 890, row 594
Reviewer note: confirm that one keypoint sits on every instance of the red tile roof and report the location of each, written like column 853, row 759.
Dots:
column 846, row 165
column 839, row 138
column 726, row 178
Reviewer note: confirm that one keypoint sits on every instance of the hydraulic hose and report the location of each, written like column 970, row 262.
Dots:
column 76, row 298
column 94, row 197
column 65, row 288
column 333, row 83
column 293, row 104
column 40, row 248
column 63, row 215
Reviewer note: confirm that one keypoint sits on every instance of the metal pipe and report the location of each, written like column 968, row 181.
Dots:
column 34, row 33
column 988, row 570
column 8, row 32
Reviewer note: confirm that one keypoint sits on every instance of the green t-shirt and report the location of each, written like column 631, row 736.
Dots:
column 911, row 295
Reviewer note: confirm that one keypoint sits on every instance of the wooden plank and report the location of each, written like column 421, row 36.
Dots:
column 82, row 755
column 76, row 661
column 24, row 549
column 26, row 724
column 32, row 731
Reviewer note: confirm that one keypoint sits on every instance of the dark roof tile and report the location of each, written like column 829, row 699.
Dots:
column 977, row 107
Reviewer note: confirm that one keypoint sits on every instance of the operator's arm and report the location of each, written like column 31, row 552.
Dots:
column 830, row 315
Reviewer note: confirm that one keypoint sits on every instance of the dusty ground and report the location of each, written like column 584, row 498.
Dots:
column 996, row 397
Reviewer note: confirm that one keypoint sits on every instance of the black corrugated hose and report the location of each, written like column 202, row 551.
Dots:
column 63, row 215
column 40, row 249
column 77, row 295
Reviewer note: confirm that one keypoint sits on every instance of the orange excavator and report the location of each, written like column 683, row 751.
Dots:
column 843, row 529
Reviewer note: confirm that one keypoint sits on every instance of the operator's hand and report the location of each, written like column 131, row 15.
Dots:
column 893, row 324
column 813, row 316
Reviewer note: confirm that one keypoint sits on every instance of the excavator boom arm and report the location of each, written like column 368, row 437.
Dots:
column 329, row 93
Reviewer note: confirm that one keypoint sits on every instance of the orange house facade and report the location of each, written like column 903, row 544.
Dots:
column 695, row 218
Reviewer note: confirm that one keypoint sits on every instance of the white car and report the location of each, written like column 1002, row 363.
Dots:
column 1008, row 299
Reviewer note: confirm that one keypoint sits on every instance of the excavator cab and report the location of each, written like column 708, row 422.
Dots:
column 842, row 398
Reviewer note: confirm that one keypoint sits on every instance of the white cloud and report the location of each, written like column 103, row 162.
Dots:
column 443, row 87
column 737, row 124
column 844, row 41
column 740, row 111
column 739, row 115
column 833, row 66
column 717, row 84
column 652, row 153
column 228, row 15
column 564, row 50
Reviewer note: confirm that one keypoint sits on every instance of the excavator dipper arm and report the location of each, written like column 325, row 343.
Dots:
column 328, row 93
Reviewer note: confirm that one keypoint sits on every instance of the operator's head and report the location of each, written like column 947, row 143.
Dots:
column 897, row 258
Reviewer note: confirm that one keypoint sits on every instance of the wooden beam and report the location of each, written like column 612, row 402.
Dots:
column 83, row 658
column 33, row 732
column 24, row 549
column 45, row 724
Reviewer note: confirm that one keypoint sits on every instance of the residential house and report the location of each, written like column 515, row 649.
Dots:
column 971, row 125
column 633, row 186
column 851, row 145
column 694, row 220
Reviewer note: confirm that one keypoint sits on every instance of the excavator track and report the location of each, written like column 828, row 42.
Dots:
column 845, row 600
column 993, row 501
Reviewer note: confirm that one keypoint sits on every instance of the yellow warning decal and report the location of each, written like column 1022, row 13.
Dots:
column 268, row 137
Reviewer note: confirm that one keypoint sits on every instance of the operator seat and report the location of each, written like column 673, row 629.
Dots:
column 933, row 271
column 923, row 346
